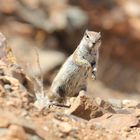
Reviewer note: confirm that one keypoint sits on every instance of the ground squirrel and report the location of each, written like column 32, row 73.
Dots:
column 72, row 77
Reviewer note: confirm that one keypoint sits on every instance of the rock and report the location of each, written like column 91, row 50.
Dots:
column 137, row 113
column 14, row 102
column 85, row 108
column 122, row 111
column 16, row 131
column 7, row 87
column 13, row 127
column 115, row 102
column 65, row 127
column 115, row 122
column 4, row 122
column 106, row 107
column 138, row 106
column 98, row 100
column 129, row 103
column 88, row 108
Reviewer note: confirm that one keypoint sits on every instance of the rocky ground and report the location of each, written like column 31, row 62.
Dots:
column 87, row 118
column 110, row 111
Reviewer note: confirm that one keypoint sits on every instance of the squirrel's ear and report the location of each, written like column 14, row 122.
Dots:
column 99, row 33
column 86, row 31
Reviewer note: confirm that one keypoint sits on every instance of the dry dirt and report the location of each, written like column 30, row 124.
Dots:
column 107, row 116
column 88, row 118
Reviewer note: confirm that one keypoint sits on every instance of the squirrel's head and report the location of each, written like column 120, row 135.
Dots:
column 92, row 39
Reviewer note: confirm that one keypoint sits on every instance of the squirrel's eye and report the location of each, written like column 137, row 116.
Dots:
column 87, row 36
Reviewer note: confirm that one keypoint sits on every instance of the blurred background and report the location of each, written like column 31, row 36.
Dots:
column 57, row 26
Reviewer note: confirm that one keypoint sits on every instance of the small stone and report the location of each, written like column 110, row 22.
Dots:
column 98, row 100
column 134, row 137
column 106, row 107
column 24, row 113
column 138, row 106
column 137, row 113
column 129, row 103
column 7, row 87
column 125, row 134
column 65, row 127
column 126, row 129
column 115, row 102
column 25, row 100
column 16, row 131
column 97, row 135
column 15, row 102
column 4, row 122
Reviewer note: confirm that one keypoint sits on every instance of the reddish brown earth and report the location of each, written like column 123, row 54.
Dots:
column 87, row 119
column 107, row 116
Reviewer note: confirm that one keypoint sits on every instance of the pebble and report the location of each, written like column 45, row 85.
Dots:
column 16, row 131
column 65, row 127
column 130, row 103
column 7, row 87
column 3, row 122
column 115, row 102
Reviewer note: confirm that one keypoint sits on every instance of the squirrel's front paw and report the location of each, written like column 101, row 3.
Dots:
column 94, row 71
